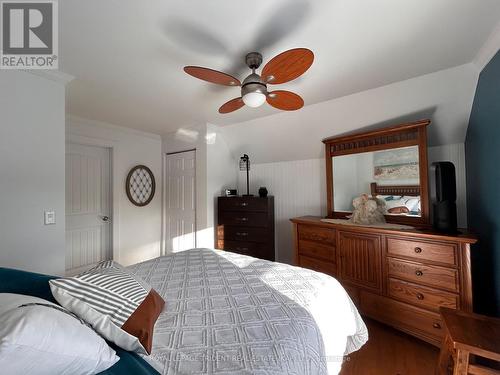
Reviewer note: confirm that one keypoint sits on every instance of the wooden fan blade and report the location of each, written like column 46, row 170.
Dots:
column 212, row 76
column 287, row 66
column 285, row 100
column 231, row 105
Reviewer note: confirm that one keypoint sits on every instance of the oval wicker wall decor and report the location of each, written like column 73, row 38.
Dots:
column 140, row 185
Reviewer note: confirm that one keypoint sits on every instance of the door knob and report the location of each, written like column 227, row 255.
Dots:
column 105, row 218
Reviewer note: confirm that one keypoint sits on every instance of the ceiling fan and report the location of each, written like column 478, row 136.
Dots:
column 282, row 68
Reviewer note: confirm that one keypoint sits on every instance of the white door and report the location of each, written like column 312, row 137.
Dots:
column 181, row 201
column 88, row 206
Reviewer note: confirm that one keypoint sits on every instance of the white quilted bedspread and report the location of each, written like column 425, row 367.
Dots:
column 232, row 314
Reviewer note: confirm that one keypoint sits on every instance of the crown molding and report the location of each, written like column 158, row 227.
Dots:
column 489, row 49
column 53, row 75
column 72, row 120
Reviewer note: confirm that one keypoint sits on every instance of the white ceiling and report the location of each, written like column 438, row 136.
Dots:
column 127, row 56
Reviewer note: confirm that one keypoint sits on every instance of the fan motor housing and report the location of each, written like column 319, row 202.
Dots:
column 253, row 83
column 253, row 60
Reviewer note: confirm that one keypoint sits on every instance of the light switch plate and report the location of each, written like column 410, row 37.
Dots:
column 49, row 217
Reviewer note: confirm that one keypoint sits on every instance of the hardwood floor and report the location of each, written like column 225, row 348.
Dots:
column 390, row 352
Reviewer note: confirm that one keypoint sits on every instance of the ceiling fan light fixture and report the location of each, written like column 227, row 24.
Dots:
column 282, row 68
column 254, row 99
column 253, row 91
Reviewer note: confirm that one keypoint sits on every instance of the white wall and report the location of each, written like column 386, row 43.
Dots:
column 216, row 170
column 299, row 188
column 445, row 97
column 136, row 230
column 32, row 172
column 222, row 174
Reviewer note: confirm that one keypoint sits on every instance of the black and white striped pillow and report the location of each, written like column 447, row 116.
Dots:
column 118, row 305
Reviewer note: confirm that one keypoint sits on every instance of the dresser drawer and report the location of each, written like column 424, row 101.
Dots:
column 316, row 234
column 243, row 204
column 440, row 277
column 353, row 292
column 253, row 249
column 317, row 265
column 425, row 324
column 238, row 233
column 422, row 296
column 317, row 250
column 439, row 252
column 244, row 218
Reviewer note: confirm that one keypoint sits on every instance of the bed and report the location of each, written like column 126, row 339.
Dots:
column 233, row 314
column 227, row 313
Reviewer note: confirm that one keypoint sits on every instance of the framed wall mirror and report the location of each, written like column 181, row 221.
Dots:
column 390, row 164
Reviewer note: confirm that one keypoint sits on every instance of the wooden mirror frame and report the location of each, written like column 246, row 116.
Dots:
column 402, row 135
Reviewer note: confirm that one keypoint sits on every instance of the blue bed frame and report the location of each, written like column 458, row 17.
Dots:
column 37, row 285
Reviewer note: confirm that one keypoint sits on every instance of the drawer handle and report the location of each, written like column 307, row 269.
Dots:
column 420, row 296
column 419, row 273
column 244, row 204
column 436, row 325
column 242, row 248
column 242, row 234
column 418, row 250
column 242, row 218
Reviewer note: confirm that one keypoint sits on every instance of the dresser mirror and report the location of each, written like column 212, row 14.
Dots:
column 390, row 164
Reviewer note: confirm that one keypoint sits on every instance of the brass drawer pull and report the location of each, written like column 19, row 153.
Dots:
column 420, row 296
column 418, row 250
column 244, row 204
column 436, row 325
column 242, row 218
column 242, row 248
column 241, row 233
column 419, row 273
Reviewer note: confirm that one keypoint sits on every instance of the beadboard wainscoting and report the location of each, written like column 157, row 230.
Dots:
column 299, row 188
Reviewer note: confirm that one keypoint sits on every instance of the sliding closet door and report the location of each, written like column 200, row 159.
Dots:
column 180, row 201
column 88, row 206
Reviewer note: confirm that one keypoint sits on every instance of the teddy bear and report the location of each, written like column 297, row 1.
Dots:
column 368, row 210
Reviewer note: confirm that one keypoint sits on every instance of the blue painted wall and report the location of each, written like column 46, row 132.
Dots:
column 482, row 153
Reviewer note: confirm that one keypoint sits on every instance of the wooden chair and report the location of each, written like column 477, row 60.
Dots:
column 468, row 334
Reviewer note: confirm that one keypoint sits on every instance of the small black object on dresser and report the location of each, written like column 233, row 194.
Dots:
column 263, row 192
column 245, row 225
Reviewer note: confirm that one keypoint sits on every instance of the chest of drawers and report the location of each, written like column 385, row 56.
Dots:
column 400, row 278
column 245, row 225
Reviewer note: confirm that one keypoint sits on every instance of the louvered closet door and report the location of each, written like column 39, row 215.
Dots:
column 181, row 201
column 88, row 206
column 360, row 259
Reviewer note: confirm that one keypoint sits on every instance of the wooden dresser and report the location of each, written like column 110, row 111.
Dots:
column 399, row 277
column 245, row 225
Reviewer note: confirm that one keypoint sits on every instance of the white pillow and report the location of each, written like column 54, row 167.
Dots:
column 47, row 339
column 413, row 203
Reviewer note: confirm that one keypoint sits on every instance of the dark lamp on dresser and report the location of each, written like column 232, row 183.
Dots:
column 245, row 166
